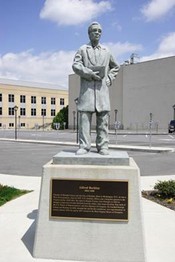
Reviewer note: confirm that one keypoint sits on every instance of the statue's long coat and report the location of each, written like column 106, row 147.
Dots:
column 94, row 95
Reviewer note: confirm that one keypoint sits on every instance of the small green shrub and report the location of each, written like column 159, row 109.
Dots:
column 61, row 118
column 8, row 193
column 166, row 189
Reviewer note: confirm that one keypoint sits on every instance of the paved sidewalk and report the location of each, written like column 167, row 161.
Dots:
column 17, row 223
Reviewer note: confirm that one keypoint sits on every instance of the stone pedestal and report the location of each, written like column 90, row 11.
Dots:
column 88, row 239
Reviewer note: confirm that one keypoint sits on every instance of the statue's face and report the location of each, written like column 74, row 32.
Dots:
column 95, row 33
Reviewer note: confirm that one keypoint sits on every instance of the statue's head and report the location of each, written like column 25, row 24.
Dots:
column 94, row 31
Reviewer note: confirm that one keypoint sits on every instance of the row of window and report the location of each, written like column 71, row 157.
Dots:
column 11, row 98
column 12, row 125
column 11, row 111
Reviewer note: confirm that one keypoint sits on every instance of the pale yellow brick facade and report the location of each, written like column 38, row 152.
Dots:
column 37, row 103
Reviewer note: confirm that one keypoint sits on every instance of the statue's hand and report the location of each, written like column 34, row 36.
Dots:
column 114, row 71
column 95, row 76
column 108, row 82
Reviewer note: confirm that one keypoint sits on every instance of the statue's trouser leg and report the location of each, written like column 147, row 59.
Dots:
column 84, row 130
column 102, row 139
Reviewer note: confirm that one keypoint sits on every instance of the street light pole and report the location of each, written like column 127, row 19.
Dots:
column 19, row 122
column 174, row 111
column 109, row 121
column 150, row 128
column 15, row 109
column 76, row 102
column 43, row 121
column 115, row 111
column 74, row 120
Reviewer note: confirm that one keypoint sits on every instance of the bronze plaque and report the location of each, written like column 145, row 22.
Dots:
column 89, row 199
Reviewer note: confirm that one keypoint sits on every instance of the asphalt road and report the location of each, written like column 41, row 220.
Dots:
column 166, row 140
column 27, row 159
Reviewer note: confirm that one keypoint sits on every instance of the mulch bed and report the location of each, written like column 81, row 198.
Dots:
column 155, row 197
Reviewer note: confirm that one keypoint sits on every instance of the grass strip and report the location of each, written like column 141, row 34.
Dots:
column 8, row 193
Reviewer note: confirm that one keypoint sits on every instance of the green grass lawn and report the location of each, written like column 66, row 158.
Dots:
column 8, row 193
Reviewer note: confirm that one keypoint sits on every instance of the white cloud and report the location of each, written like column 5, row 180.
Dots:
column 117, row 26
column 167, row 44
column 122, row 51
column 52, row 67
column 73, row 12
column 45, row 67
column 166, row 48
column 156, row 9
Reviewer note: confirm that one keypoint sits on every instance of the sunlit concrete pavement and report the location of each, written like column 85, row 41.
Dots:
column 17, row 223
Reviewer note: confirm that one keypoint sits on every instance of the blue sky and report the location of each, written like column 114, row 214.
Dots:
column 38, row 38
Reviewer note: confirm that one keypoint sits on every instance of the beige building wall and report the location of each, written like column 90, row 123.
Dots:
column 139, row 89
column 28, row 90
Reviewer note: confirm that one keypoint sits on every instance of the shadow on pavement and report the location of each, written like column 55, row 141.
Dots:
column 29, row 236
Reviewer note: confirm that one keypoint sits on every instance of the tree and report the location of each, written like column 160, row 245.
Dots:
column 61, row 118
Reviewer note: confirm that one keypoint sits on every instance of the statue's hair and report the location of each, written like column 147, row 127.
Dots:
column 90, row 27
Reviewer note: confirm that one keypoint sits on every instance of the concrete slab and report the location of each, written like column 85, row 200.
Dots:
column 114, row 158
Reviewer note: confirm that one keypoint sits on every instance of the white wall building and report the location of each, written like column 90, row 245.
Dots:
column 139, row 89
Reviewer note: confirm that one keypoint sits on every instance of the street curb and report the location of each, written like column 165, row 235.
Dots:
column 111, row 146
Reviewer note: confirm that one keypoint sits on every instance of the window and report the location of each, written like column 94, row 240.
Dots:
column 52, row 112
column 11, row 98
column 33, row 111
column 52, row 100
column 43, row 112
column 23, row 124
column 0, row 97
column 43, row 100
column 0, row 124
column 22, row 111
column 11, row 124
column 22, row 99
column 33, row 99
column 61, row 101
column 0, row 111
column 11, row 111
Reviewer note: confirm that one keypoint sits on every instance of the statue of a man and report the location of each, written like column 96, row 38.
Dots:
column 97, row 69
